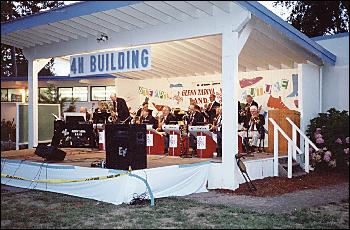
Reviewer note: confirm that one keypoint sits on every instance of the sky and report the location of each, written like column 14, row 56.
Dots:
column 62, row 68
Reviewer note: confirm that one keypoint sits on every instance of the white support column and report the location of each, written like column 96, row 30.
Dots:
column 33, row 136
column 294, row 138
column 229, row 109
column 34, row 66
column 307, row 157
column 275, row 151
column 290, row 165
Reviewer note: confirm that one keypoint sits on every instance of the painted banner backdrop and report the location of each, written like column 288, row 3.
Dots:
column 200, row 94
column 272, row 89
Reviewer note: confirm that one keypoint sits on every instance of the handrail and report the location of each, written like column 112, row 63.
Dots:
column 284, row 134
column 292, row 147
column 302, row 134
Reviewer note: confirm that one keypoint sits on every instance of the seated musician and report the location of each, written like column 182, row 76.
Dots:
column 217, row 128
column 87, row 114
column 254, row 126
column 100, row 108
column 196, row 118
column 144, row 106
column 147, row 118
column 165, row 119
column 100, row 115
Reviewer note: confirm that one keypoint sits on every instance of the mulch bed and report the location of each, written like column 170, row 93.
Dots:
column 272, row 186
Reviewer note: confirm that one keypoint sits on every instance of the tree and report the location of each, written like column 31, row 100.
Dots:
column 316, row 18
column 13, row 61
column 51, row 96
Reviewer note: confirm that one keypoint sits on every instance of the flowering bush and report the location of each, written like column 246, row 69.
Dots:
column 330, row 132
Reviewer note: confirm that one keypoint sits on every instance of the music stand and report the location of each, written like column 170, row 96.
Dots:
column 74, row 117
column 201, row 131
column 173, row 131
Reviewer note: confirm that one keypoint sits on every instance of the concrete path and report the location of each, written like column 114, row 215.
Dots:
column 285, row 203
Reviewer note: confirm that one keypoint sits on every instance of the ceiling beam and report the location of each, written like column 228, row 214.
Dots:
column 149, row 19
column 25, row 39
column 193, row 56
column 46, row 31
column 93, row 26
column 41, row 35
column 20, row 41
column 168, row 10
column 151, row 12
column 69, row 29
column 204, row 6
column 59, row 31
column 80, row 27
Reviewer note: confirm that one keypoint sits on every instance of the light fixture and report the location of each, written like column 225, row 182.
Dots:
column 102, row 38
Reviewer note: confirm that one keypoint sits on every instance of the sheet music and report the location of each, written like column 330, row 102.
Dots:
column 56, row 117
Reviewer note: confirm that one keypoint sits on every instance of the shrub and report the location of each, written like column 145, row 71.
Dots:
column 330, row 132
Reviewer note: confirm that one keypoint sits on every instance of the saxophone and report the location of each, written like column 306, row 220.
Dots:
column 114, row 115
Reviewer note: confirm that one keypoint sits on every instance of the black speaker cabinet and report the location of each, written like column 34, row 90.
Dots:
column 126, row 146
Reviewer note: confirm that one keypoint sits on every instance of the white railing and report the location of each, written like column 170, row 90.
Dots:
column 307, row 143
column 291, row 146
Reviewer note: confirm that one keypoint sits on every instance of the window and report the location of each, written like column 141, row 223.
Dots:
column 65, row 92
column 4, row 95
column 98, row 93
column 15, row 95
column 109, row 91
column 81, row 93
column 101, row 93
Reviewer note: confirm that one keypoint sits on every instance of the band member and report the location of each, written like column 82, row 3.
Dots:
column 101, row 107
column 100, row 115
column 144, row 106
column 254, row 126
column 217, row 128
column 210, row 109
column 165, row 119
column 118, row 108
column 241, row 113
column 87, row 114
column 250, row 102
column 147, row 118
column 196, row 118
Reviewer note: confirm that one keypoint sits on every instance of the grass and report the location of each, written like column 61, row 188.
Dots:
column 37, row 209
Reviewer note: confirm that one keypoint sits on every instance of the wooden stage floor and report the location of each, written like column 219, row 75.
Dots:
column 85, row 156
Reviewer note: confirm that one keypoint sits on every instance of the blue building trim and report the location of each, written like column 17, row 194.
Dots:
column 295, row 35
column 59, row 78
column 62, row 13
column 331, row 36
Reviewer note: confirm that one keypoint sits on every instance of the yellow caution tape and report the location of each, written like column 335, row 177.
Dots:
column 58, row 181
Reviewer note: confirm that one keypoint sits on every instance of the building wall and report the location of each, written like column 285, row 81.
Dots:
column 336, row 78
column 310, row 93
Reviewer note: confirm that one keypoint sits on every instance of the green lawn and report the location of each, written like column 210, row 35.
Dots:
column 36, row 209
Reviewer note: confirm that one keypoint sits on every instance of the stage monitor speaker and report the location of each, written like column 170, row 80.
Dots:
column 126, row 146
column 50, row 153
